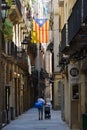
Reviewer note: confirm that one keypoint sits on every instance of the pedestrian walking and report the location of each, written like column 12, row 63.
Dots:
column 39, row 104
column 40, row 109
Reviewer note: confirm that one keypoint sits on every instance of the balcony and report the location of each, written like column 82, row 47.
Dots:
column 11, row 49
column 3, row 44
column 74, row 21
column 85, row 11
column 16, row 14
column 77, row 28
column 22, row 58
column 63, row 59
column 64, row 37
column 74, row 34
column 15, row 53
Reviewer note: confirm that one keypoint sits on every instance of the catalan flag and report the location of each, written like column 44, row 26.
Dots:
column 34, row 37
column 41, row 27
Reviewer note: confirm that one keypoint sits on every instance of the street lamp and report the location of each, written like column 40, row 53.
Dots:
column 4, row 8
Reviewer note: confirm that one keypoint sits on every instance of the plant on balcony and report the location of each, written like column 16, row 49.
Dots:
column 9, row 2
column 7, row 29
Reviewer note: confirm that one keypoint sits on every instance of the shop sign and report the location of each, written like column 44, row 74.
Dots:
column 73, row 73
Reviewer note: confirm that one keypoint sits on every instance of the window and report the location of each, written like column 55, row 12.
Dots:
column 75, row 92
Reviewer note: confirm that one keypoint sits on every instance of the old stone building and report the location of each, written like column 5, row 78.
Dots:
column 15, row 74
column 73, row 51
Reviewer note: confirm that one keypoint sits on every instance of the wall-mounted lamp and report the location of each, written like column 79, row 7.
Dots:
column 64, row 61
column 79, row 55
column 75, row 55
column 4, row 8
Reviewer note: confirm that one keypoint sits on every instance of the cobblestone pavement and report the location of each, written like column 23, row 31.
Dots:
column 29, row 121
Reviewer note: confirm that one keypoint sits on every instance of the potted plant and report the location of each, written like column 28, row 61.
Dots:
column 7, row 29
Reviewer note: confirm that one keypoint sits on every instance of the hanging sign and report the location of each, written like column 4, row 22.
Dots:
column 73, row 72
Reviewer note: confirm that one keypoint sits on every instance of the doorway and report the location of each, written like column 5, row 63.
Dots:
column 75, row 106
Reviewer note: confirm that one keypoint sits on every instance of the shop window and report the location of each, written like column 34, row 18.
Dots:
column 75, row 92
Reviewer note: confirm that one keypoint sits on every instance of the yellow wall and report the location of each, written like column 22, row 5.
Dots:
column 61, row 17
column 65, row 11
column 70, row 6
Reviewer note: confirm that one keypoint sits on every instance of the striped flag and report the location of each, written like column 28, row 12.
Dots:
column 41, row 27
column 34, row 37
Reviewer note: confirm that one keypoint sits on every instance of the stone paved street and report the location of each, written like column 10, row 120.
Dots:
column 29, row 121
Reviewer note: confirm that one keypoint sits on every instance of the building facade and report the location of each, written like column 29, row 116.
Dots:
column 73, row 18
column 56, row 41
column 15, row 75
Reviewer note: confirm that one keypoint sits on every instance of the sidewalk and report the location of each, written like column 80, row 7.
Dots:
column 29, row 121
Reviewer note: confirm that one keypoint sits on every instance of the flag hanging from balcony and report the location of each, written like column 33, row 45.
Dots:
column 34, row 37
column 41, row 30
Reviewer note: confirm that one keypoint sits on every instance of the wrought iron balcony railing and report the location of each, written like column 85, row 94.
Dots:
column 75, row 30
column 84, row 10
column 3, row 44
column 18, row 4
column 16, row 52
column 21, row 55
column 74, row 21
column 63, row 37
column 11, row 49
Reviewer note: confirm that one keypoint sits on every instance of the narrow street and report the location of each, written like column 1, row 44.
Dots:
column 29, row 121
